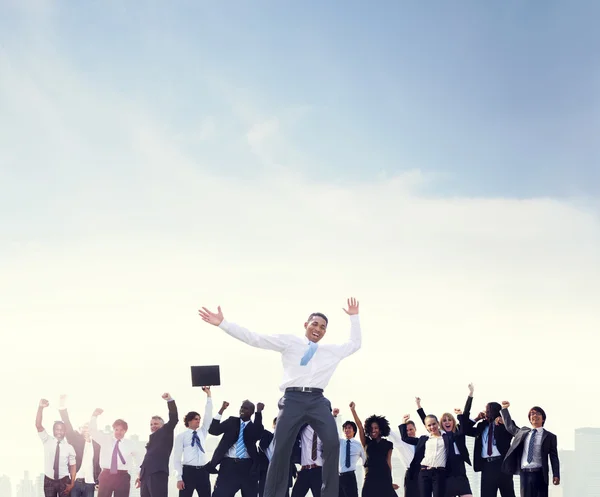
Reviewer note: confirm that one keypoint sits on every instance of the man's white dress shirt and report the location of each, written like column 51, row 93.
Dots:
column 66, row 455
column 130, row 450
column 306, row 443
column 537, row 449
column 320, row 368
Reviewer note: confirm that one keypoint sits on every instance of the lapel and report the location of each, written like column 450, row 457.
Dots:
column 544, row 435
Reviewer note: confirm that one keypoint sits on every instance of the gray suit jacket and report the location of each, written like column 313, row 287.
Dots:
column 512, row 461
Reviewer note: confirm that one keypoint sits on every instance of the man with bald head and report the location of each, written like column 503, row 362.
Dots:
column 236, row 454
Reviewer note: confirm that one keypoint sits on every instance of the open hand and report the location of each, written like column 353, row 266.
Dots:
column 210, row 317
column 68, row 489
column 352, row 307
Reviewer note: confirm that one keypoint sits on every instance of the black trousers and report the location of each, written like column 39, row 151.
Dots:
column 348, row 484
column 308, row 479
column 155, row 485
column 533, row 484
column 295, row 409
column 195, row 478
column 117, row 485
column 494, row 479
column 262, row 479
column 235, row 475
column 432, row 482
column 411, row 485
column 55, row 488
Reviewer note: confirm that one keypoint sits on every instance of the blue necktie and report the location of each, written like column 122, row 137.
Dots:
column 196, row 440
column 531, row 444
column 312, row 348
column 240, row 447
column 348, row 453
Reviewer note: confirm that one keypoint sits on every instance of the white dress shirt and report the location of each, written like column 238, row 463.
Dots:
column 129, row 449
column 320, row 368
column 435, row 453
column 407, row 451
column 184, row 453
column 537, row 449
column 232, row 452
column 66, row 455
column 306, row 443
column 484, row 448
column 86, row 471
column 356, row 450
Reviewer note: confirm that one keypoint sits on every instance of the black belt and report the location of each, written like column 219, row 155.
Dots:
column 347, row 473
column 530, row 470
column 193, row 467
column 491, row 459
column 304, row 389
column 429, row 468
column 237, row 459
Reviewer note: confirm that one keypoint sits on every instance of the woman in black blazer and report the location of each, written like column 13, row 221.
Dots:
column 457, row 483
column 433, row 456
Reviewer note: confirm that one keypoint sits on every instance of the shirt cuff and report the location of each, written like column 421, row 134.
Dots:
column 224, row 325
column 217, row 417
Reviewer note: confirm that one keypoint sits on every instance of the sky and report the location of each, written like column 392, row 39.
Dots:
column 438, row 162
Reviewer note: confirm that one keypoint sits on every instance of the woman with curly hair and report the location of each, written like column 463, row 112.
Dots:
column 378, row 466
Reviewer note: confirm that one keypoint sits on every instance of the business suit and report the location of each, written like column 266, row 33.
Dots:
column 457, row 482
column 431, row 481
column 492, row 476
column 154, row 472
column 533, row 483
column 77, row 440
column 263, row 462
column 236, row 474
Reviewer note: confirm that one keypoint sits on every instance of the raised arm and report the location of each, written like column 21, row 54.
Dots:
column 260, row 429
column 338, row 422
column 469, row 402
column 173, row 415
column 208, row 409
column 404, row 432
column 64, row 415
column 507, row 421
column 359, row 425
column 216, row 427
column 40, row 412
column 420, row 410
column 354, row 343
column 269, row 342
column 100, row 437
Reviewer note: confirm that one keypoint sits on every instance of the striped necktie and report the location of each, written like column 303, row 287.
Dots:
column 531, row 446
column 240, row 447
column 196, row 440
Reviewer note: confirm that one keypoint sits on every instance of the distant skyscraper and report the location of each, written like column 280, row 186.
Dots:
column 587, row 462
column 25, row 487
column 568, row 471
column 5, row 486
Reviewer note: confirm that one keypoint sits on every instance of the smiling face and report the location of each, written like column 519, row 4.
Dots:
column 432, row 425
column 536, row 419
column 349, row 431
column 155, row 424
column 194, row 423
column 448, row 423
column 246, row 410
column 375, row 431
column 315, row 327
column 411, row 429
column 59, row 431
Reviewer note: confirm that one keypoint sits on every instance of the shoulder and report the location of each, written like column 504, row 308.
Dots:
column 388, row 444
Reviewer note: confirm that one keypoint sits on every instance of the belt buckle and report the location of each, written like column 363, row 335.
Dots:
column 305, row 389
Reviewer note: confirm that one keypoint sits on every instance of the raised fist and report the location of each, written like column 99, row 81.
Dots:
column 259, row 407
column 44, row 403
column 406, row 418
column 352, row 405
column 505, row 404
column 225, row 405
column 166, row 396
column 335, row 412
column 458, row 412
column 97, row 411
column 206, row 390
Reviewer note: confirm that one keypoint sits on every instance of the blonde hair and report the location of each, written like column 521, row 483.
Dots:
column 452, row 418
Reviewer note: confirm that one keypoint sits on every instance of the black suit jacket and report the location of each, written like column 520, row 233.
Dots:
column 459, row 437
column 77, row 440
column 419, row 443
column 471, row 429
column 230, row 429
column 512, row 461
column 160, row 444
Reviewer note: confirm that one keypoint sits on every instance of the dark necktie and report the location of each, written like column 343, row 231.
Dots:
column 56, row 459
column 490, row 444
column 348, row 453
column 531, row 445
column 313, row 453
column 196, row 440
column 113, row 461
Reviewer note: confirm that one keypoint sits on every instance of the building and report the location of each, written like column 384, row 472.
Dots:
column 26, row 488
column 586, row 471
column 5, row 486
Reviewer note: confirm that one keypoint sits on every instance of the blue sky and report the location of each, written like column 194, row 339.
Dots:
column 491, row 99
column 440, row 164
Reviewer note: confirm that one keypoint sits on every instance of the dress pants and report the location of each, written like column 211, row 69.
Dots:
column 155, row 485
column 262, row 479
column 411, row 485
column 348, row 484
column 83, row 489
column 533, row 484
column 55, row 488
column 296, row 409
column 235, row 475
column 494, row 479
column 432, row 482
column 116, row 485
column 308, row 479
column 195, row 478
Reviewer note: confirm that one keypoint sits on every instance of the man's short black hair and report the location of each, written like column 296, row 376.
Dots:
column 318, row 315
column 351, row 424
column 541, row 412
